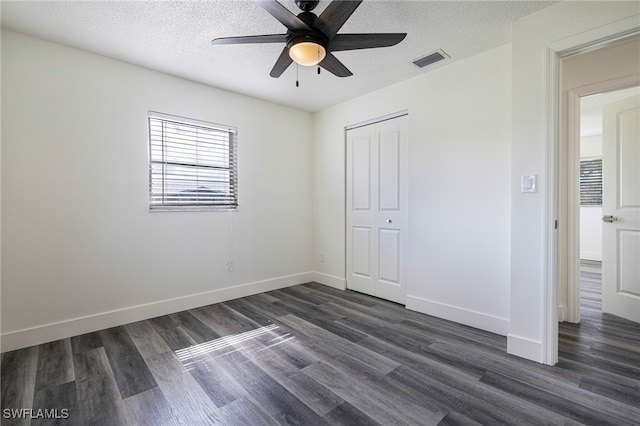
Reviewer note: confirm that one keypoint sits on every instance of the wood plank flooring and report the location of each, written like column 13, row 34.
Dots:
column 313, row 355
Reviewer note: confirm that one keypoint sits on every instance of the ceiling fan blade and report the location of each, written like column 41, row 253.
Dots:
column 283, row 62
column 283, row 15
column 364, row 41
column 271, row 38
column 335, row 15
column 334, row 66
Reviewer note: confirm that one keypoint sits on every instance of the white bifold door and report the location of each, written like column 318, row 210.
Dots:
column 621, row 209
column 377, row 198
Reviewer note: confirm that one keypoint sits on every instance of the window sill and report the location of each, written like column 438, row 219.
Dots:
column 192, row 209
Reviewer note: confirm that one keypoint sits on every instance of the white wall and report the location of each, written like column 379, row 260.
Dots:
column 591, row 146
column 535, row 38
column 591, row 233
column 459, row 216
column 80, row 249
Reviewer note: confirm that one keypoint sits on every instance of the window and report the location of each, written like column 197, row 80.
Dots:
column 591, row 182
column 192, row 164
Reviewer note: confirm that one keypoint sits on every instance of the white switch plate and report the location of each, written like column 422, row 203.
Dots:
column 528, row 183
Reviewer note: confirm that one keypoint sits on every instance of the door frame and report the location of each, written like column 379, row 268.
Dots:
column 573, row 184
column 555, row 259
column 380, row 119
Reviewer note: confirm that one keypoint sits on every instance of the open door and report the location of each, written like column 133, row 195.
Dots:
column 621, row 209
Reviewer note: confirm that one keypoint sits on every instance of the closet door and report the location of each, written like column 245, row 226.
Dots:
column 377, row 198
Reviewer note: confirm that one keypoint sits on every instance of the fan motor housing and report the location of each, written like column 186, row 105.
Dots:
column 307, row 5
column 295, row 37
column 307, row 17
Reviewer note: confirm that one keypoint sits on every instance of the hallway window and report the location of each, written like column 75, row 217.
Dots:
column 591, row 182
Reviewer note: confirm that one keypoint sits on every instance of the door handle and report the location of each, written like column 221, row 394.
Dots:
column 609, row 218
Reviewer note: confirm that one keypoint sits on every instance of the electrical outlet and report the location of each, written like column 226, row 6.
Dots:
column 321, row 257
column 230, row 265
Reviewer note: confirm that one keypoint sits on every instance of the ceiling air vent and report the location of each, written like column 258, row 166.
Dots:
column 431, row 58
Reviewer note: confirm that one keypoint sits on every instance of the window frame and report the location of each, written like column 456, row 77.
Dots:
column 590, row 182
column 232, row 165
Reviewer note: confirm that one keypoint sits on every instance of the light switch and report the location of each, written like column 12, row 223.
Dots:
column 528, row 183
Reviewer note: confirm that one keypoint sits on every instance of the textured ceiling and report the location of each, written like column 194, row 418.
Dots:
column 175, row 37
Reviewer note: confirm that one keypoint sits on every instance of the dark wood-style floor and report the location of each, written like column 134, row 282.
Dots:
column 314, row 355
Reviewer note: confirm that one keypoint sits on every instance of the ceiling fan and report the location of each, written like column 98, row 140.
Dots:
column 310, row 39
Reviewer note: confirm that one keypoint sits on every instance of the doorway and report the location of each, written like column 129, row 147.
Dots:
column 596, row 135
column 589, row 81
column 377, row 208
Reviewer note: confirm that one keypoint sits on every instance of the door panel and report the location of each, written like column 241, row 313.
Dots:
column 361, row 192
column 361, row 251
column 628, row 131
column 389, row 255
column 629, row 270
column 389, row 170
column 377, row 200
column 361, row 220
column 621, row 200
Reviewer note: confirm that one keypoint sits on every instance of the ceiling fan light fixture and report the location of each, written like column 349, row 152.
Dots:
column 310, row 39
column 307, row 53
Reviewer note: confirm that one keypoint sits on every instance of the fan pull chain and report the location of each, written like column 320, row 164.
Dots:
column 297, row 75
column 318, row 70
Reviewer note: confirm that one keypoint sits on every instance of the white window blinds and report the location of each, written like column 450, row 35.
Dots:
column 591, row 182
column 192, row 164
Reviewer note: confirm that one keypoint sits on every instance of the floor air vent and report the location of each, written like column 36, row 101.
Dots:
column 431, row 58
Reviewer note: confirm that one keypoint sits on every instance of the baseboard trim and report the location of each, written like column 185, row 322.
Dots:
column 524, row 347
column 73, row 327
column 330, row 280
column 460, row 315
column 562, row 313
